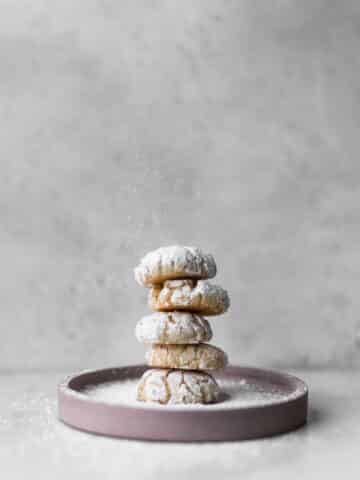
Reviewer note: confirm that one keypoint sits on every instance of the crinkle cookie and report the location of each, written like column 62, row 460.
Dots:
column 189, row 357
column 173, row 327
column 195, row 296
column 173, row 262
column 177, row 387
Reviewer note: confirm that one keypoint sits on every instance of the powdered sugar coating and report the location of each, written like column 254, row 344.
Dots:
column 199, row 296
column 188, row 357
column 173, row 328
column 177, row 387
column 173, row 262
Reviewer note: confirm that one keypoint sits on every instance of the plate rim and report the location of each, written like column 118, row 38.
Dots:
column 65, row 389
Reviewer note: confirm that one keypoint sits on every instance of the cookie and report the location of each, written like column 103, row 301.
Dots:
column 194, row 296
column 177, row 387
column 173, row 327
column 188, row 357
column 167, row 263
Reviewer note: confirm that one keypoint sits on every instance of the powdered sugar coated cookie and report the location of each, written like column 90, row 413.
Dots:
column 173, row 262
column 177, row 387
column 195, row 296
column 173, row 328
column 188, row 357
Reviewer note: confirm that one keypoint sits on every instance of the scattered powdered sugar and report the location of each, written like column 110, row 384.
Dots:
column 237, row 393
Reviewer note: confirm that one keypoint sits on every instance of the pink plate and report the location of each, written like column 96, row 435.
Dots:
column 219, row 422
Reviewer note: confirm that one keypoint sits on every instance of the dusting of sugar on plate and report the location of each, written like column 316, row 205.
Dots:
column 237, row 393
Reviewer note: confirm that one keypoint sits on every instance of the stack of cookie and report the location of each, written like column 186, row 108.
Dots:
column 180, row 294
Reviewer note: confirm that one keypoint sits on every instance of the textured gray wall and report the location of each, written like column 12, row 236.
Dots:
column 229, row 125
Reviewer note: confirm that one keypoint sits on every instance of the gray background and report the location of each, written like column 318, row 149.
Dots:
column 232, row 125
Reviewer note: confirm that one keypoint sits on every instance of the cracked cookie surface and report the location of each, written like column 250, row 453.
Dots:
column 186, row 294
column 189, row 357
column 173, row 328
column 174, row 262
column 166, row 386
